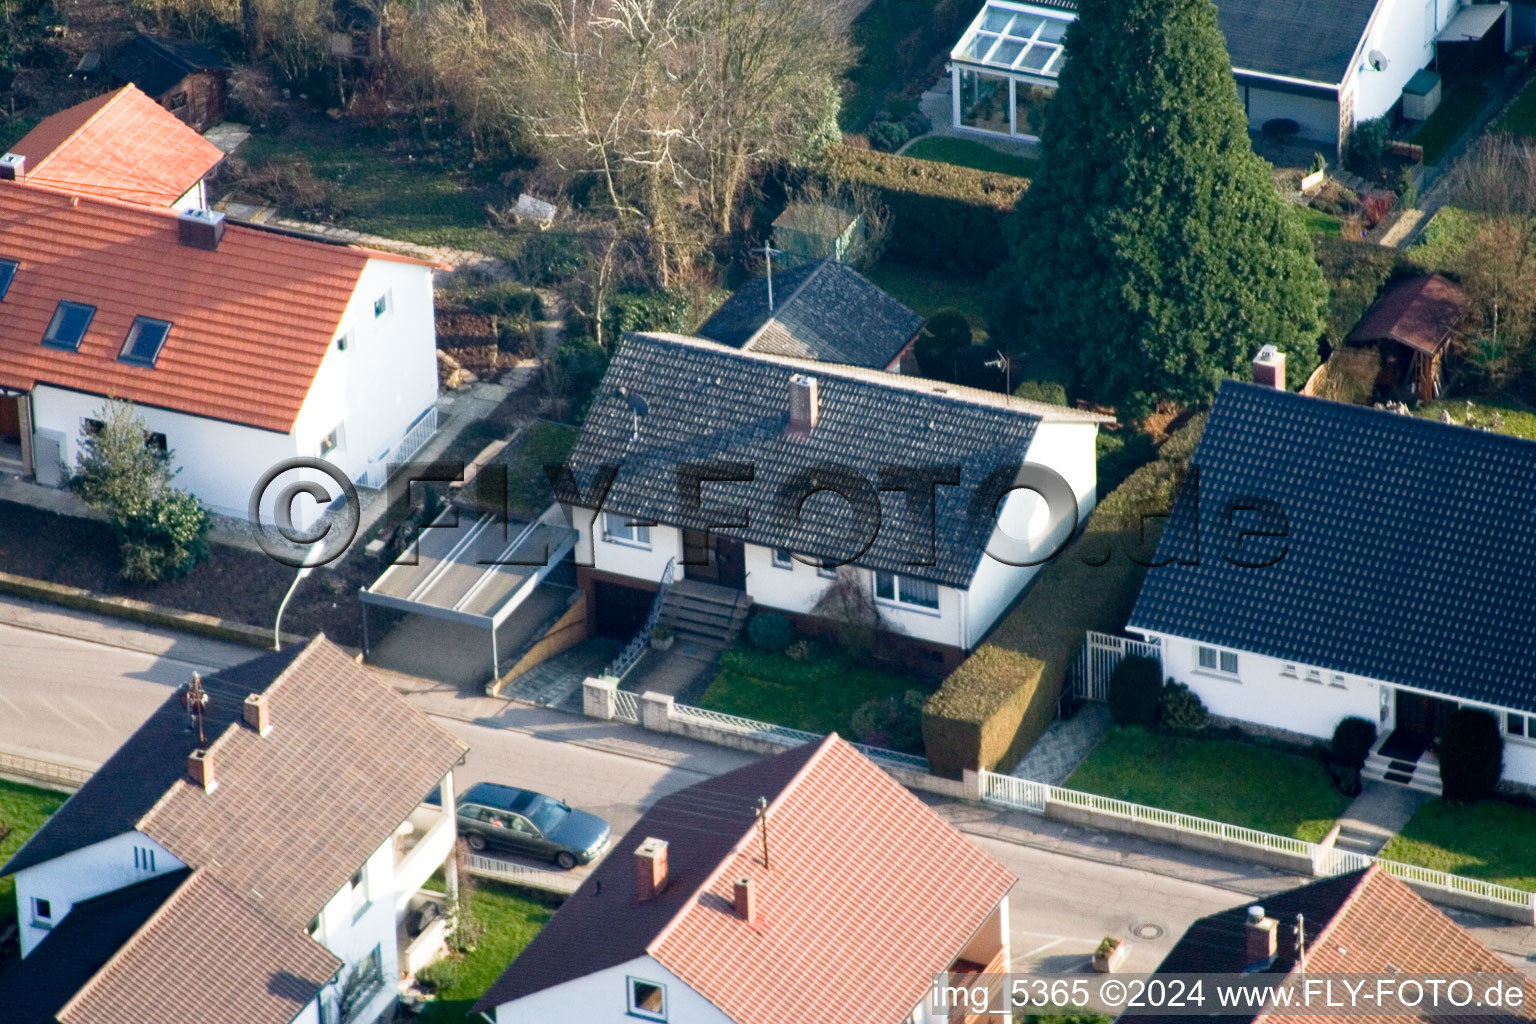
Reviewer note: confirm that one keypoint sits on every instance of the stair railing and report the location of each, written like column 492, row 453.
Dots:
column 620, row 665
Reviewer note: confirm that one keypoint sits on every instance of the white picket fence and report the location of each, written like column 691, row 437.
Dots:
column 1027, row 795
column 1088, row 675
column 483, row 866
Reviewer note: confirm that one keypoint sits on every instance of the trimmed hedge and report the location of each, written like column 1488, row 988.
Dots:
column 984, row 716
column 990, row 710
column 1352, row 739
column 942, row 215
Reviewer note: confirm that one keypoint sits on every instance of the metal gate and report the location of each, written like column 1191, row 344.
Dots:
column 1088, row 676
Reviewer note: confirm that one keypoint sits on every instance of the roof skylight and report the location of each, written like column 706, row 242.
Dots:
column 67, row 328
column 145, row 338
column 7, row 274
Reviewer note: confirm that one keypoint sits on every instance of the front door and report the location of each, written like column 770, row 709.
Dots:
column 699, row 561
column 1422, row 715
column 10, row 418
column 731, row 559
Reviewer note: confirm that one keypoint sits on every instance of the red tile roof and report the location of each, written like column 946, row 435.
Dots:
column 121, row 144
column 870, row 894
column 251, row 321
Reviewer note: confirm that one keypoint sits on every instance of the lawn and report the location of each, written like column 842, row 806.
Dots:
column 1449, row 120
column 1519, row 118
column 1514, row 419
column 1224, row 780
column 23, row 809
column 510, row 918
column 926, row 292
column 819, row 694
column 387, row 187
column 1320, row 223
column 1491, row 840
column 967, row 153
column 540, row 444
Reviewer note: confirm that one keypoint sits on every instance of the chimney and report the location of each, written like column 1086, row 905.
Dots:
column 1269, row 368
column 745, row 900
column 651, row 868
column 200, row 229
column 804, row 404
column 13, row 167
column 1260, row 934
column 258, row 715
column 200, row 767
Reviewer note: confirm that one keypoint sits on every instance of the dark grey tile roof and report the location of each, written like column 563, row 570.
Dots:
column 34, row 990
column 1409, row 552
column 155, row 64
column 1312, row 40
column 824, row 310
column 709, row 403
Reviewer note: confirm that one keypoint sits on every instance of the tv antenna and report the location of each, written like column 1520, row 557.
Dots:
column 762, row 826
column 1004, row 364
column 768, row 252
column 196, row 702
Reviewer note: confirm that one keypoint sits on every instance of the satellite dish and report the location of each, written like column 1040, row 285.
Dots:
column 1377, row 60
column 637, row 405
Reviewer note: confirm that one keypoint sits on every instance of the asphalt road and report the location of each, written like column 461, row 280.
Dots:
column 79, row 699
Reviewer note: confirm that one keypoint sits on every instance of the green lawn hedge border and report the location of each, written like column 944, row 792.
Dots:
column 942, row 216
column 993, row 708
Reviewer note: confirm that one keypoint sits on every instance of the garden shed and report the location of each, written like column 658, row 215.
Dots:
column 814, row 231
column 1413, row 321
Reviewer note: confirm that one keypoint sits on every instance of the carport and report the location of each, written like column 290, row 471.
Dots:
column 472, row 571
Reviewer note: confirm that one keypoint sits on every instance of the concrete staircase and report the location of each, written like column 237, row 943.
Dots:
column 703, row 614
column 1422, row 775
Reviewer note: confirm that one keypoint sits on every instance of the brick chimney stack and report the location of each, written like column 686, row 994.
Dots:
column 1261, row 935
column 651, row 868
column 745, row 901
column 1269, row 368
column 804, row 404
column 258, row 715
column 200, row 767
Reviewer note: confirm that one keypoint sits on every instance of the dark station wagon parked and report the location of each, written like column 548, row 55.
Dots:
column 522, row 821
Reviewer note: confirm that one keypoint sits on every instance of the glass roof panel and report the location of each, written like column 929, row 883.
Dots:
column 1038, row 57
column 1007, row 53
column 1025, row 25
column 980, row 45
column 995, row 19
column 1053, row 31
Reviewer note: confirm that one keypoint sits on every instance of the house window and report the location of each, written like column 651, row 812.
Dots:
column 1314, row 675
column 363, row 983
column 1288, row 670
column 827, row 572
column 344, row 342
column 68, row 325
column 332, row 441
column 42, row 912
column 144, row 341
column 383, row 304
column 7, row 274
column 620, row 530
column 1213, row 660
column 647, row 999
column 1514, row 725
column 152, row 438
column 782, row 559
column 143, row 858
column 890, row 586
column 1337, row 681
column 359, row 883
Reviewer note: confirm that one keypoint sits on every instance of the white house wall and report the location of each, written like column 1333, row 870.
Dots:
column 1069, row 449
column 386, row 378
column 1399, row 30
column 1262, row 694
column 81, row 874
column 1318, row 117
column 602, row 997
column 351, row 934
column 219, row 462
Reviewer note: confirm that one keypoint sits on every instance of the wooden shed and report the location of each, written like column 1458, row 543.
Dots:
column 189, row 80
column 1413, row 320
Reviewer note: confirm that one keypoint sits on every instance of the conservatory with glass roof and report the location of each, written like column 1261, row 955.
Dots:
column 1004, row 69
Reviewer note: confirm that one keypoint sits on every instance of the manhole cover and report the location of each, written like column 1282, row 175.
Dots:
column 1148, row 931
